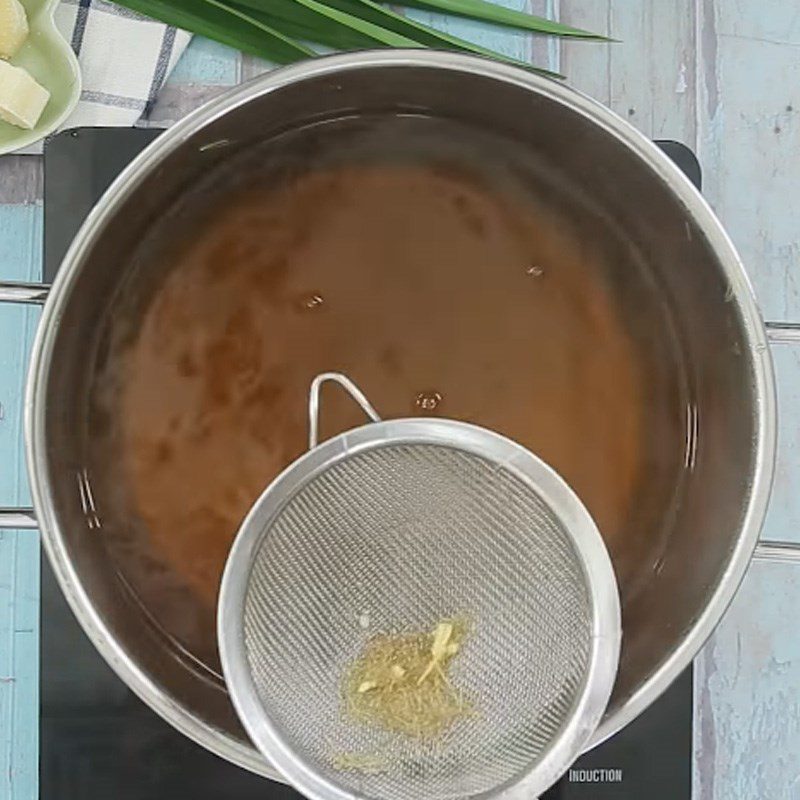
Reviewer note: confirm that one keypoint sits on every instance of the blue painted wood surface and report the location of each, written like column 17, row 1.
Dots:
column 20, row 257
column 722, row 76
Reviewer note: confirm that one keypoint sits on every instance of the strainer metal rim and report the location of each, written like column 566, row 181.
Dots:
column 590, row 549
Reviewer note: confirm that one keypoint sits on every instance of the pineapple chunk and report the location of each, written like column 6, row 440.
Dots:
column 22, row 100
column 13, row 27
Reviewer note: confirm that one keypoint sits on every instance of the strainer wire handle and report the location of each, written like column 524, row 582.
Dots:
column 313, row 402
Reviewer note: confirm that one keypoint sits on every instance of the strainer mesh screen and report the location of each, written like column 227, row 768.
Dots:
column 396, row 539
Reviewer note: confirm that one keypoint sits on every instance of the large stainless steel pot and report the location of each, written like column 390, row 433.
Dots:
column 682, row 246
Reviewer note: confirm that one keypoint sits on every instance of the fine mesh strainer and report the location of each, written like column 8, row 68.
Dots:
column 392, row 527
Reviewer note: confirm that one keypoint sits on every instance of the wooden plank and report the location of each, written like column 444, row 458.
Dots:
column 205, row 70
column 20, row 180
column 587, row 65
column 545, row 50
column 648, row 77
column 631, row 64
column 20, row 259
column 662, row 96
column 514, row 44
column 175, row 101
column 748, row 707
column 750, row 119
column 206, row 63
column 253, row 66
column 672, row 72
column 747, row 70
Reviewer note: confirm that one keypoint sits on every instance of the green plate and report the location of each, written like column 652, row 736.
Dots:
column 49, row 58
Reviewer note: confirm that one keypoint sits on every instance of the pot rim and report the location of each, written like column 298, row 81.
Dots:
column 130, row 178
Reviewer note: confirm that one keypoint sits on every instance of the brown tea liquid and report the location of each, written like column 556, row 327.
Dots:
column 441, row 285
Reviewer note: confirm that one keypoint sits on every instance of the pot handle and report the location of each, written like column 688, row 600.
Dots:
column 18, row 519
column 783, row 332
column 781, row 552
column 28, row 293
column 766, row 550
column 313, row 402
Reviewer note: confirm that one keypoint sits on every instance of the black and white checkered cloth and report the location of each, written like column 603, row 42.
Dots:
column 124, row 58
